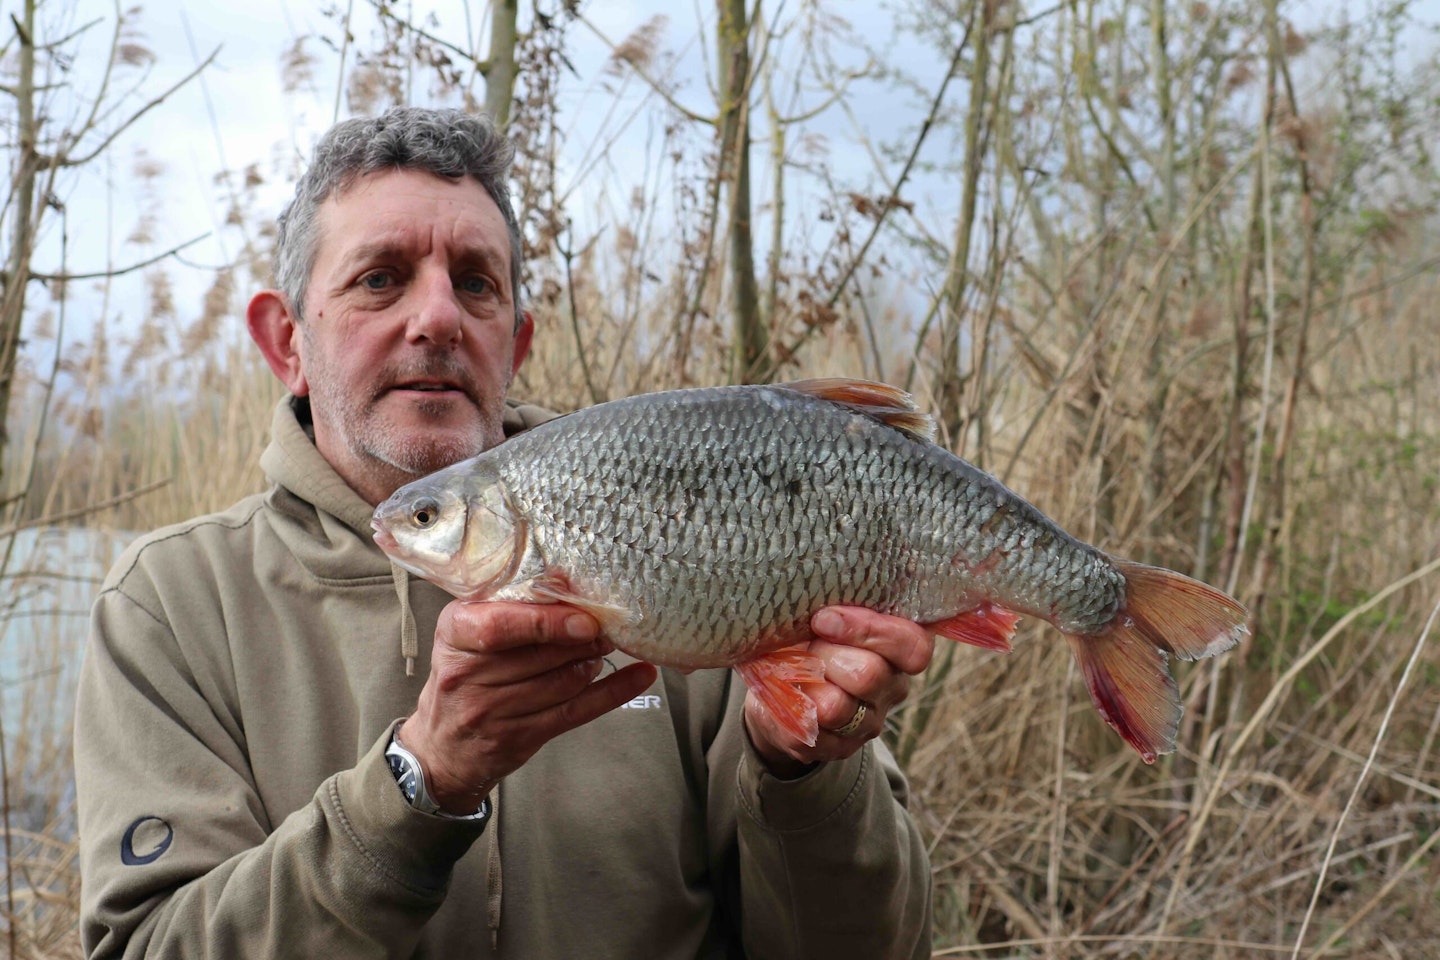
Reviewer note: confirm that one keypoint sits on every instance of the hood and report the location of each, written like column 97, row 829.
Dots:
column 293, row 462
column 328, row 529
column 324, row 523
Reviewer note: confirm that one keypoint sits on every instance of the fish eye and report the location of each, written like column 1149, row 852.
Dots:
column 424, row 512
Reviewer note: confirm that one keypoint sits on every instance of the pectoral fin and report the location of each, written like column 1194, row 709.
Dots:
column 555, row 590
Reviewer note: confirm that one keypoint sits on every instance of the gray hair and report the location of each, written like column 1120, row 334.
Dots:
column 447, row 143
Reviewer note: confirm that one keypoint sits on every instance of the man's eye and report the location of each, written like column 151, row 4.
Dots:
column 376, row 281
column 477, row 285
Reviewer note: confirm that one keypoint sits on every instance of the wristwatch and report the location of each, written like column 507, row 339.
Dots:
column 410, row 777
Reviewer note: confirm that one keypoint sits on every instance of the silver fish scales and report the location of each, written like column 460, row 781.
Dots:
column 705, row 527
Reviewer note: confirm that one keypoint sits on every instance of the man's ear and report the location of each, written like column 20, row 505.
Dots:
column 523, row 334
column 276, row 331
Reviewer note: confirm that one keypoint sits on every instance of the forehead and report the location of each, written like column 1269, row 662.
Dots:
column 406, row 209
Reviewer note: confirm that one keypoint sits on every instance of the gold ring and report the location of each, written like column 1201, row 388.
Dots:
column 855, row 721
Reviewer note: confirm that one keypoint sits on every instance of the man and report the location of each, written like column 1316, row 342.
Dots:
column 245, row 785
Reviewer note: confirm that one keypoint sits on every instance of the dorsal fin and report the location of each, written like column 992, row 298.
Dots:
column 890, row 405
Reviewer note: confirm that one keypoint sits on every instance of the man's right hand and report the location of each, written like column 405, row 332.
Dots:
column 505, row 679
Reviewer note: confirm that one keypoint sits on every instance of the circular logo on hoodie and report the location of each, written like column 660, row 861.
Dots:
column 151, row 834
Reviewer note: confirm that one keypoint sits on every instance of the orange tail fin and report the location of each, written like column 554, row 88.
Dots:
column 1125, row 663
column 776, row 679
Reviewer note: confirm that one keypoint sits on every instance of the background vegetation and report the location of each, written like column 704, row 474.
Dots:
column 1168, row 269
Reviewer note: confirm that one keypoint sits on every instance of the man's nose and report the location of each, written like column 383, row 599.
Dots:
column 437, row 315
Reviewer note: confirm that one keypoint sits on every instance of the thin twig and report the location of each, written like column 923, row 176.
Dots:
column 1153, row 939
column 568, row 253
column 65, row 516
column 653, row 84
column 383, row 11
column 1268, row 233
column 65, row 160
column 344, row 49
column 64, row 277
column 1278, row 690
column 1379, row 896
column 930, row 118
column 1360, row 780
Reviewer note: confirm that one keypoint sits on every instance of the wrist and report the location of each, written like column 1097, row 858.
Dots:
column 774, row 760
column 412, row 778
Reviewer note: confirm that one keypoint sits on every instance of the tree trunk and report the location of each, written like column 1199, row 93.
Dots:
column 950, row 383
column 500, row 70
column 752, row 362
column 22, row 202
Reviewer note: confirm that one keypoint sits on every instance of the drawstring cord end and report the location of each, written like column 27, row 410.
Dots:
column 409, row 640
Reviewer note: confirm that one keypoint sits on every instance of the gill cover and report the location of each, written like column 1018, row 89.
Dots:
column 454, row 528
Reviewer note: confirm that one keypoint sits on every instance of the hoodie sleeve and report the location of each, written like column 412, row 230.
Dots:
column 829, row 865
column 177, row 855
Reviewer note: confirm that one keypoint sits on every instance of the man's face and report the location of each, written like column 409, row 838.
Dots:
column 408, row 339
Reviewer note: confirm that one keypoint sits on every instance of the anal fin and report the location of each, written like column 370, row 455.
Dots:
column 988, row 626
column 776, row 678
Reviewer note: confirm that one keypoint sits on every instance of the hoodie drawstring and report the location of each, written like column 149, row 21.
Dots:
column 409, row 638
column 492, row 870
column 410, row 650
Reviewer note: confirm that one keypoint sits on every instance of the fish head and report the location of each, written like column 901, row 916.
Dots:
column 454, row 528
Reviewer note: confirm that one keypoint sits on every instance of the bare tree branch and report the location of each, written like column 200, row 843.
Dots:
column 65, row 160
column 56, row 44
column 650, row 81
column 65, row 516
column 804, row 336
column 481, row 66
column 116, row 271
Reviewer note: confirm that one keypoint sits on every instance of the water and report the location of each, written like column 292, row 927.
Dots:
column 50, row 582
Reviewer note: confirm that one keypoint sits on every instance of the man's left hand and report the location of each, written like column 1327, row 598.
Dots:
column 869, row 658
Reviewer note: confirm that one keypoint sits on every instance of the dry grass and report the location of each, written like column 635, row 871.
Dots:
column 1048, row 837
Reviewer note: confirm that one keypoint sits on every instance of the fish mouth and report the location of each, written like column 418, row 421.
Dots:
column 384, row 538
column 392, row 549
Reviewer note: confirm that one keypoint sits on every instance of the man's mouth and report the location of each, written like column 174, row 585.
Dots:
column 429, row 386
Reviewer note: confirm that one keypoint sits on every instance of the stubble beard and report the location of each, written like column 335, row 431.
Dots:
column 368, row 433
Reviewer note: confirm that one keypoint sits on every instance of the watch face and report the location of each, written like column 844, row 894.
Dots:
column 404, row 776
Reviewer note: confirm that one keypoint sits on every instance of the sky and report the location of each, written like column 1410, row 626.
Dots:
column 237, row 114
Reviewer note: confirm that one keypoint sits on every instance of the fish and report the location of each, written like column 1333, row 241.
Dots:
column 703, row 528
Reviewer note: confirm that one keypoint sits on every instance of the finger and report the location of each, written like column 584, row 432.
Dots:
column 835, row 706
column 904, row 643
column 838, row 746
column 514, row 665
column 599, row 698
column 485, row 737
column 860, row 674
column 770, row 739
column 545, row 691
column 505, row 624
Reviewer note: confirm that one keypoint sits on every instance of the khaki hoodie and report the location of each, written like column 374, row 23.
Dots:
column 242, row 679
